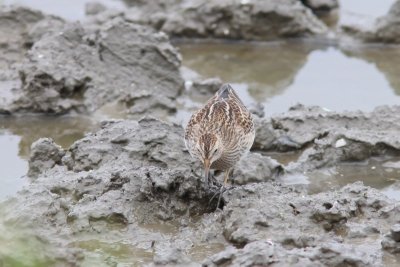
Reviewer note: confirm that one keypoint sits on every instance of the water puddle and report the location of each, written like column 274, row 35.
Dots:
column 63, row 130
column 199, row 253
column 283, row 75
column 139, row 244
column 17, row 135
column 12, row 166
column 377, row 173
column 258, row 71
column 98, row 253
column 284, row 158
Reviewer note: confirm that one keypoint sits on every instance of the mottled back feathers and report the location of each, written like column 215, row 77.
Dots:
column 224, row 107
column 225, row 117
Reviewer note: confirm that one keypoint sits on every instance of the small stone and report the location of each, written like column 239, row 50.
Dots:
column 188, row 84
column 340, row 143
column 45, row 154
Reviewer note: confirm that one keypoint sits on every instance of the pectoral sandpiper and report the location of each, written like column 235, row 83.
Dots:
column 220, row 133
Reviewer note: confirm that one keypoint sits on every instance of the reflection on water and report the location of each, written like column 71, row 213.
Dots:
column 385, row 59
column 199, row 253
column 18, row 133
column 63, row 130
column 98, row 253
column 267, row 69
column 12, row 166
column 284, row 75
column 376, row 173
column 335, row 81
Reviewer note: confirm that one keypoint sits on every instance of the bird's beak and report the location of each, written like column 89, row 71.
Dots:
column 206, row 169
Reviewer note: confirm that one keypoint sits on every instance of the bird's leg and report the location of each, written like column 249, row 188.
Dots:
column 207, row 179
column 222, row 189
column 211, row 179
column 226, row 176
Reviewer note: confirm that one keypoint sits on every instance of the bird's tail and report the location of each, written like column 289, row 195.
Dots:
column 225, row 91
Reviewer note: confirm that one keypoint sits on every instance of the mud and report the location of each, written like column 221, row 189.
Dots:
column 53, row 66
column 382, row 30
column 226, row 19
column 329, row 137
column 80, row 68
column 131, row 175
column 16, row 25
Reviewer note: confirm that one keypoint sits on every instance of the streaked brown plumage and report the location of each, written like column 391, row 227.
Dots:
column 221, row 132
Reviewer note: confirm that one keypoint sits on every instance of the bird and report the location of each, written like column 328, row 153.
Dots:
column 220, row 133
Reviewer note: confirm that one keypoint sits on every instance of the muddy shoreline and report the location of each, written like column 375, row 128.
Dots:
column 130, row 187
column 119, row 182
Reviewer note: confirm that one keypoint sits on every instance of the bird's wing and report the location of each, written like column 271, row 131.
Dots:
column 242, row 117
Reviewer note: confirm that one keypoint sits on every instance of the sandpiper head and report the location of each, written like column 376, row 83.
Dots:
column 209, row 149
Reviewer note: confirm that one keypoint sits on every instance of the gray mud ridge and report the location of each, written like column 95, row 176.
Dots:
column 18, row 30
column 117, row 183
column 73, row 67
column 327, row 137
column 238, row 20
column 385, row 29
column 17, row 33
column 53, row 66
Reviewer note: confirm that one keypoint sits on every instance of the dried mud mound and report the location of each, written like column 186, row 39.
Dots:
column 238, row 20
column 383, row 30
column 71, row 67
column 328, row 138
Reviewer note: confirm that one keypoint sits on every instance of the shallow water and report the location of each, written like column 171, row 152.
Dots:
column 283, row 75
column 18, row 133
column 13, row 166
column 377, row 173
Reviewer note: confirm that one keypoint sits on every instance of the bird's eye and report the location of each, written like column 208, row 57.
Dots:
column 216, row 150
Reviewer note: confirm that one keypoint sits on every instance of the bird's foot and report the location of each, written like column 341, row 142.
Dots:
column 219, row 193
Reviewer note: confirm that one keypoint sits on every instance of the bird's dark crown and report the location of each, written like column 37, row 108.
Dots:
column 207, row 141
